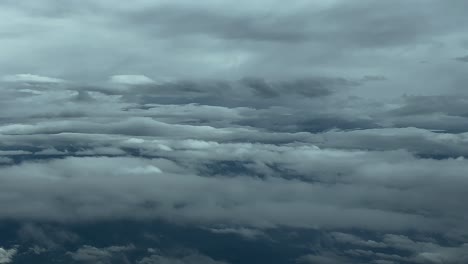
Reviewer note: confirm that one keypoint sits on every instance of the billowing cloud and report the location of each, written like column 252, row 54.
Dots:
column 313, row 132
column 30, row 78
column 6, row 255
column 90, row 254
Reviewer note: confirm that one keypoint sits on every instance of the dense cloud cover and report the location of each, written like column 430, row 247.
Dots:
column 216, row 132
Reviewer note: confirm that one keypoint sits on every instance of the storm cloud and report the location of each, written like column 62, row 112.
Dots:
column 233, row 132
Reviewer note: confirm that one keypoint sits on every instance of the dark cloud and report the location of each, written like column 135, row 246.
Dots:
column 213, row 40
column 367, row 23
column 192, row 258
column 443, row 113
column 304, row 87
column 83, row 96
column 111, row 254
column 45, row 236
column 317, row 123
column 462, row 58
column 426, row 105
column 169, row 20
column 233, row 132
column 370, row 78
column 260, row 87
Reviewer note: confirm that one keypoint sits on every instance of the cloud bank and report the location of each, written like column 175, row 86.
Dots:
column 326, row 132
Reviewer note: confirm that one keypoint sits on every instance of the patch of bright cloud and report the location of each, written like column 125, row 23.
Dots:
column 131, row 79
column 30, row 78
column 6, row 255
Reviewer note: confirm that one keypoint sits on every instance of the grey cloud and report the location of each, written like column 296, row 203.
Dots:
column 14, row 152
column 237, row 118
column 317, row 87
column 169, row 19
column 260, row 87
column 443, row 113
column 373, row 78
column 324, row 257
column 422, row 251
column 248, row 91
column 417, row 141
column 354, row 240
column 436, row 122
column 383, row 261
column 462, row 58
column 37, row 250
column 389, row 248
column 190, row 258
column 46, row 236
column 224, row 40
column 83, row 96
column 319, row 122
column 420, row 105
column 111, row 254
column 354, row 183
column 356, row 23
column 246, row 233
column 5, row 160
column 312, row 87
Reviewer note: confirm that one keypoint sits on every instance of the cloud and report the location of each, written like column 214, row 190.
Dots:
column 5, row 160
column 420, row 105
column 111, row 254
column 231, row 42
column 191, row 258
column 260, row 87
column 46, row 236
column 462, row 58
column 243, row 232
column 131, row 79
column 388, row 248
column 31, row 78
column 6, row 255
column 235, row 122
column 354, row 240
column 325, row 258
column 373, row 78
column 315, row 203
column 305, row 87
column 420, row 251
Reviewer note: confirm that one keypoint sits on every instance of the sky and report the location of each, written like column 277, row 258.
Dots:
column 233, row 132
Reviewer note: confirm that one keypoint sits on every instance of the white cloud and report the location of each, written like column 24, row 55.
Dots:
column 131, row 79
column 6, row 255
column 31, row 78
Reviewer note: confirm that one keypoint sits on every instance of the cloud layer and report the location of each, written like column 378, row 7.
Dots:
column 326, row 132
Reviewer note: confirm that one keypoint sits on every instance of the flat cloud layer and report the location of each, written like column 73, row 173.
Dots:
column 326, row 132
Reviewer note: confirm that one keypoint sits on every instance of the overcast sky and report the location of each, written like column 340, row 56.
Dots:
column 414, row 46
column 233, row 132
